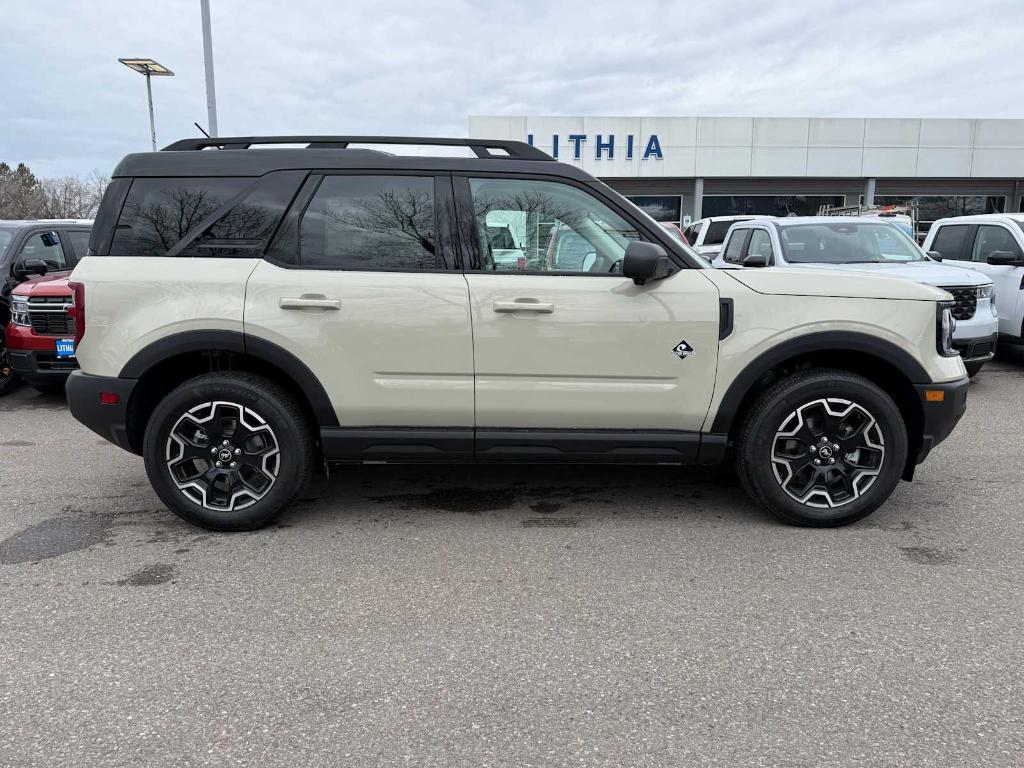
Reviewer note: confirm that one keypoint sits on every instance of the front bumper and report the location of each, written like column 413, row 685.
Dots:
column 109, row 421
column 977, row 350
column 38, row 367
column 943, row 405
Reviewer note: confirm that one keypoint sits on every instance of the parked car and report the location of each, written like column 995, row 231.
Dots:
column 30, row 249
column 343, row 310
column 706, row 235
column 993, row 245
column 870, row 245
column 41, row 334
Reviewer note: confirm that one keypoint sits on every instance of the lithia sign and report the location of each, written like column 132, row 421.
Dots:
column 605, row 146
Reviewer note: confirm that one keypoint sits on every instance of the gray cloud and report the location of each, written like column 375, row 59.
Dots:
column 312, row 66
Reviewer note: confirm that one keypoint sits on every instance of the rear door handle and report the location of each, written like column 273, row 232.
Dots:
column 524, row 305
column 309, row 301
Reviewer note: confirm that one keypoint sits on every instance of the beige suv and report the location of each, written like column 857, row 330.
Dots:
column 247, row 313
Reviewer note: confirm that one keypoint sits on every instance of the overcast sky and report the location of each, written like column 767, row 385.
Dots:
column 336, row 66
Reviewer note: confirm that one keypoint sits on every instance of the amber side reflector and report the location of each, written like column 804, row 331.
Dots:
column 934, row 395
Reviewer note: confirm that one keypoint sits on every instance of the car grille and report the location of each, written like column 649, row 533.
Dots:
column 965, row 301
column 48, row 314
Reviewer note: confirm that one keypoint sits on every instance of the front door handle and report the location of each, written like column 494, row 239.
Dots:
column 309, row 301
column 524, row 305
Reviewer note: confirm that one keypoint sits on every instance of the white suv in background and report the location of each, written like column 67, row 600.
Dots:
column 706, row 235
column 992, row 244
column 869, row 244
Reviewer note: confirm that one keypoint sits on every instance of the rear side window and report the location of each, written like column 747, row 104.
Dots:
column 371, row 223
column 949, row 240
column 716, row 232
column 158, row 213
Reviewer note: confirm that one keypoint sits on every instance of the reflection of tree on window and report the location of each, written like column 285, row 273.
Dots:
column 403, row 214
column 160, row 224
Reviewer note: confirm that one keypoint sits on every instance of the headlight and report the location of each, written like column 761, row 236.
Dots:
column 986, row 291
column 19, row 311
column 944, row 327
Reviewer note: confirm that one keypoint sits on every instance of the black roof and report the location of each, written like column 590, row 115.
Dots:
column 233, row 156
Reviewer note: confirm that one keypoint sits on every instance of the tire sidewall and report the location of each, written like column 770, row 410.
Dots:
column 767, row 421
column 293, row 444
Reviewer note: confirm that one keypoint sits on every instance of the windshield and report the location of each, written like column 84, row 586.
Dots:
column 6, row 235
column 847, row 243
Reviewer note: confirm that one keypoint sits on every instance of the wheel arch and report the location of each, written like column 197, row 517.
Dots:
column 880, row 361
column 161, row 366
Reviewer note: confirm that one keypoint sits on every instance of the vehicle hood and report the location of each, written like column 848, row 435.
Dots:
column 930, row 272
column 799, row 281
column 50, row 285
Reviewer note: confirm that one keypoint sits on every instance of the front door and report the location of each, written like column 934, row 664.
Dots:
column 562, row 341
column 373, row 305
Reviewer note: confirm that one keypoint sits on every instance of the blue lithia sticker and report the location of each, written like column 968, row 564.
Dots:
column 682, row 350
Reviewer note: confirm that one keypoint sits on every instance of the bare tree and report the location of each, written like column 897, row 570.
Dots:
column 24, row 196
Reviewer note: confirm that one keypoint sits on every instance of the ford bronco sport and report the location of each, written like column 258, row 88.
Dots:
column 246, row 313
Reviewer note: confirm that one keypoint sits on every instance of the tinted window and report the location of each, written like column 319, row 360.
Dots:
column 716, row 232
column 760, row 244
column 555, row 227
column 991, row 239
column 949, row 240
column 6, row 236
column 734, row 250
column 660, row 207
column 45, row 246
column 159, row 212
column 371, row 222
column 695, row 234
column 79, row 241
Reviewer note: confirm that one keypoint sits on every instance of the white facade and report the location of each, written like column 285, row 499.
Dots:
column 773, row 147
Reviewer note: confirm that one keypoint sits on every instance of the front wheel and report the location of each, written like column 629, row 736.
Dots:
column 8, row 376
column 228, row 451
column 822, row 448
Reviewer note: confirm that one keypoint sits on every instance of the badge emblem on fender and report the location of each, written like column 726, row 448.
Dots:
column 682, row 350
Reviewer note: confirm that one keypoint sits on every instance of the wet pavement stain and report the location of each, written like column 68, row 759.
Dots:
column 546, row 507
column 55, row 537
column 467, row 501
column 151, row 575
column 929, row 555
column 16, row 443
column 550, row 522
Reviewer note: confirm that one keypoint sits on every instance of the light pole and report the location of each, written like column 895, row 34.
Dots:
column 211, row 90
column 148, row 67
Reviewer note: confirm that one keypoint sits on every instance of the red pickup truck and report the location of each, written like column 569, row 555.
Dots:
column 40, row 336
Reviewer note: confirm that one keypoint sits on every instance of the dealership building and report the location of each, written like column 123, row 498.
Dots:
column 684, row 168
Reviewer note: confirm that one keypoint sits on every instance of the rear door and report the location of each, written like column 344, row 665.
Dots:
column 572, row 344
column 362, row 286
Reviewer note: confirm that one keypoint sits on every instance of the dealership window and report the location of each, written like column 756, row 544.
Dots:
column 933, row 207
column 770, row 205
column 662, row 208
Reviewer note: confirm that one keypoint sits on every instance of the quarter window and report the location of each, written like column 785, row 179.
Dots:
column 545, row 226
column 371, row 223
column 991, row 239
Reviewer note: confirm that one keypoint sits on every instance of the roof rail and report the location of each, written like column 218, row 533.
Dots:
column 516, row 150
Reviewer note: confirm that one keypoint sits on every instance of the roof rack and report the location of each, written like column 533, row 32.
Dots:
column 516, row 150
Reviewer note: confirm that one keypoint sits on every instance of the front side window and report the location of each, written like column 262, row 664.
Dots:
column 991, row 239
column 46, row 247
column 847, row 243
column 371, row 223
column 760, row 244
column 159, row 212
column 79, row 241
column 551, row 227
column 949, row 240
column 6, row 235
column 734, row 250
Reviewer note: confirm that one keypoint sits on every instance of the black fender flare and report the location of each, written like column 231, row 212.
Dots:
column 241, row 343
column 826, row 341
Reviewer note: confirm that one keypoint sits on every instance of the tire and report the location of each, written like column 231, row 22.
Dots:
column 243, row 419
column 781, row 439
column 973, row 369
column 8, row 377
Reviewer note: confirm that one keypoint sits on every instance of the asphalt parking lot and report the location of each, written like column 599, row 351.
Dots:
column 523, row 616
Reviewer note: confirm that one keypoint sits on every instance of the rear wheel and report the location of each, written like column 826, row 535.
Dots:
column 228, row 451
column 822, row 448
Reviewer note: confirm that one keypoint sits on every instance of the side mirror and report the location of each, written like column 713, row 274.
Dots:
column 935, row 255
column 755, row 260
column 29, row 267
column 1005, row 258
column 645, row 261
